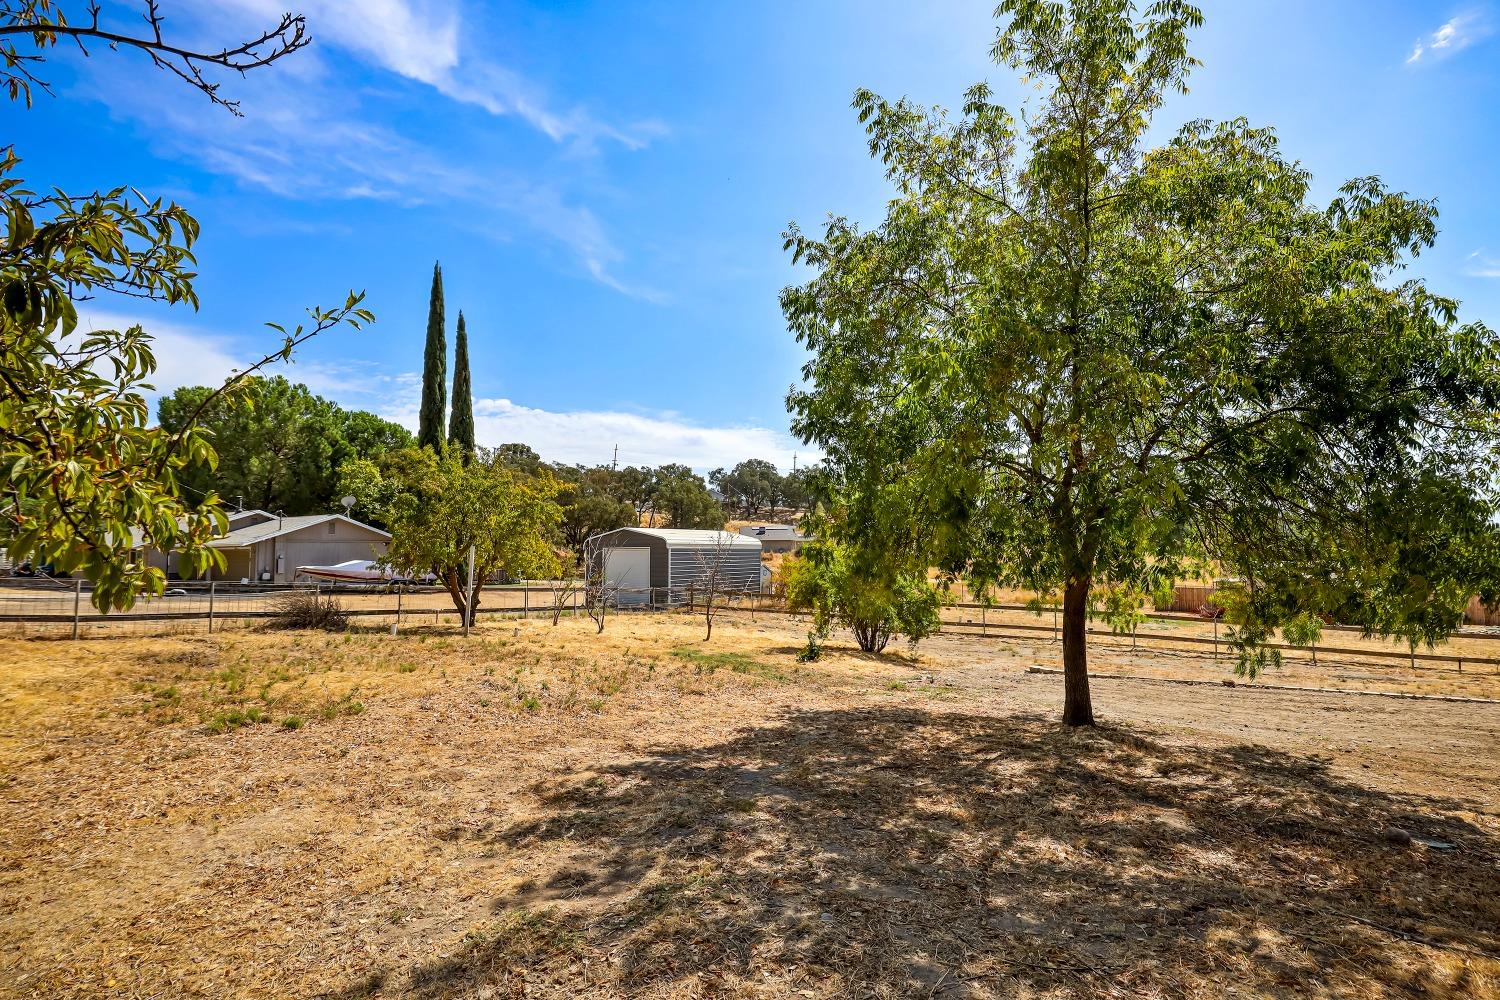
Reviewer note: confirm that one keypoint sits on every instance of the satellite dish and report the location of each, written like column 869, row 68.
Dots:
column 348, row 503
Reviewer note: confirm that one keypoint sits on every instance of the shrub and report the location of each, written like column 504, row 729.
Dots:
column 302, row 609
column 874, row 602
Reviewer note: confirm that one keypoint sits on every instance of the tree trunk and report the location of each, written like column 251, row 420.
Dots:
column 1078, row 709
column 455, row 591
column 871, row 638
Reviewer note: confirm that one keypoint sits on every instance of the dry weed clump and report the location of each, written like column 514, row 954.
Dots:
column 303, row 609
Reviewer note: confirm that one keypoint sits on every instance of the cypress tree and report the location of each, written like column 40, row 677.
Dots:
column 434, row 369
column 461, row 423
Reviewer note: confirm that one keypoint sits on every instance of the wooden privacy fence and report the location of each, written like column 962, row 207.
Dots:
column 1189, row 597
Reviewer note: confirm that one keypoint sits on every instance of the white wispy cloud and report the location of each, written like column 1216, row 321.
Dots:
column 184, row 356
column 1481, row 264
column 302, row 139
column 1456, row 34
column 310, row 133
column 589, row 437
column 422, row 41
column 187, row 354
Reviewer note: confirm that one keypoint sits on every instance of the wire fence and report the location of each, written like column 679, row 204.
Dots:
column 49, row 608
column 1471, row 648
column 62, row 609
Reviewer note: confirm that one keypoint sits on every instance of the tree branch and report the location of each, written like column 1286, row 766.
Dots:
column 188, row 64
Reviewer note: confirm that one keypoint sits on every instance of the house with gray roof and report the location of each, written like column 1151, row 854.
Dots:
column 262, row 547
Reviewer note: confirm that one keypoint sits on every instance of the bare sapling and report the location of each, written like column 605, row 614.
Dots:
column 713, row 573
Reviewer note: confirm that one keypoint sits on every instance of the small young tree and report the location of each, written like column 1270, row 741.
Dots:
column 564, row 590
column 826, row 580
column 450, row 505
column 600, row 593
column 715, row 564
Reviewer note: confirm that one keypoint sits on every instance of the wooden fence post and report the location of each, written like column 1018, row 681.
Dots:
column 77, row 600
column 525, row 599
column 211, row 585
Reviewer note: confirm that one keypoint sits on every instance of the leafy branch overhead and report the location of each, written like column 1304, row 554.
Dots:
column 90, row 482
column 28, row 28
column 90, row 485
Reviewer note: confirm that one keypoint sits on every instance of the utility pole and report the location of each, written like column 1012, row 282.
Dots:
column 615, row 461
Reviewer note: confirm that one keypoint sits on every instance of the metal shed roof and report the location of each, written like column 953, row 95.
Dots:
column 692, row 536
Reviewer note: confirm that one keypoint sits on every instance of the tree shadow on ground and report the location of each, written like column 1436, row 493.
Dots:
column 898, row 852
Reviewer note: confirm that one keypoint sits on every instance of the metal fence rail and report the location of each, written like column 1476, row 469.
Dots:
column 62, row 609
column 988, row 629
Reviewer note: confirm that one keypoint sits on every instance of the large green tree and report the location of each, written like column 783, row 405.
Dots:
column 752, row 485
column 279, row 445
column 591, row 503
column 431, row 416
column 684, row 500
column 1082, row 361
column 461, row 423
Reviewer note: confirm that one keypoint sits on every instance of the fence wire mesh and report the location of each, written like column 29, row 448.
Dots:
column 61, row 608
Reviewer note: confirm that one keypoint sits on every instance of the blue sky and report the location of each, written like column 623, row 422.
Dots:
column 606, row 183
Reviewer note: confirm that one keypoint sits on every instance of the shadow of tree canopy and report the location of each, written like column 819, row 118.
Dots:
column 897, row 852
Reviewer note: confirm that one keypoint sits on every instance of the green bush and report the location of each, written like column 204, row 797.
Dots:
column 873, row 605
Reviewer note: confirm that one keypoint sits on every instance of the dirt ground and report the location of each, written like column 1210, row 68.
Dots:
column 543, row 812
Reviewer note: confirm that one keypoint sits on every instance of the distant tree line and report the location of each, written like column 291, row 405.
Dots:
column 755, row 486
column 285, row 449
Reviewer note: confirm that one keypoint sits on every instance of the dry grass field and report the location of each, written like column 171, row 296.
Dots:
column 541, row 812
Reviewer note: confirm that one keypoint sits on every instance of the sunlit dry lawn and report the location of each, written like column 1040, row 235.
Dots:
column 541, row 811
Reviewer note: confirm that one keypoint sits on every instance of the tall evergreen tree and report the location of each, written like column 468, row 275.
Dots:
column 461, row 423
column 430, row 430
